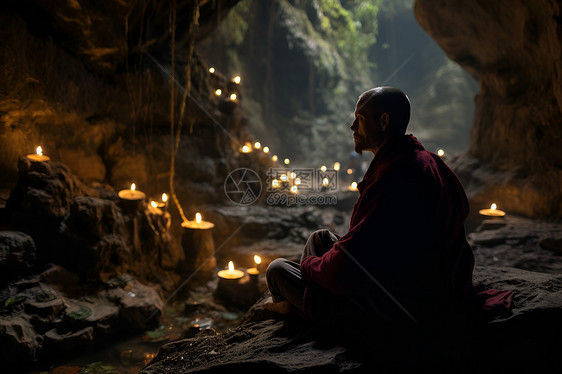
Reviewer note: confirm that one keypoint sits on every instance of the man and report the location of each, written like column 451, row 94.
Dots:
column 405, row 256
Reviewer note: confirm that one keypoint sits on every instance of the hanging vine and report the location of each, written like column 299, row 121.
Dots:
column 175, row 133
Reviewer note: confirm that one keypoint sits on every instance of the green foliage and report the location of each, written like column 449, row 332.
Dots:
column 351, row 26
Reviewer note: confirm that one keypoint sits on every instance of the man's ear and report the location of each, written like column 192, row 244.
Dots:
column 385, row 120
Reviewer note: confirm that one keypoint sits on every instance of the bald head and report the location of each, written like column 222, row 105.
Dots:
column 391, row 100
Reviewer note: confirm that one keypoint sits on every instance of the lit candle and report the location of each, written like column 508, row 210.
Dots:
column 294, row 189
column 211, row 70
column 257, row 145
column 352, row 187
column 233, row 97
column 218, row 92
column 325, row 181
column 440, row 153
column 231, row 273
column 323, row 168
column 154, row 204
column 349, row 171
column 275, row 183
column 38, row 155
column 246, row 148
column 284, row 177
column 297, row 181
column 337, row 166
column 255, row 271
column 265, row 149
column 132, row 194
column 293, row 175
column 286, row 161
column 492, row 212
column 237, row 79
column 274, row 158
column 165, row 200
column 198, row 223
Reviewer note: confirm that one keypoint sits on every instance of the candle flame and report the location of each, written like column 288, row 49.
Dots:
column 237, row 79
column 245, row 149
column 297, row 181
column 440, row 153
column 211, row 70
column 164, row 197
column 493, row 206
column 257, row 259
column 265, row 149
column 275, row 183
column 286, row 161
column 198, row 217
column 233, row 97
column 283, row 177
column 293, row 175
column 218, row 92
column 323, row 168
column 257, row 145
column 349, row 171
column 274, row 158
column 39, row 151
column 294, row 189
column 354, row 185
column 337, row 166
column 325, row 181
column 230, row 266
column 153, row 203
column 133, row 187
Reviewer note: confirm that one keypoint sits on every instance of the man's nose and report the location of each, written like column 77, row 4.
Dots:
column 353, row 126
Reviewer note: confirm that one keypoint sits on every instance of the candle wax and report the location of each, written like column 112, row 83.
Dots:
column 131, row 195
column 253, row 271
column 231, row 274
column 36, row 157
column 195, row 225
column 492, row 212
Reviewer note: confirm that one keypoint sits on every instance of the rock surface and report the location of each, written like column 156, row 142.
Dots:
column 513, row 49
column 54, row 314
column 265, row 344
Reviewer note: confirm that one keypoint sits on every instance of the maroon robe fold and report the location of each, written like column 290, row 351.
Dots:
column 405, row 255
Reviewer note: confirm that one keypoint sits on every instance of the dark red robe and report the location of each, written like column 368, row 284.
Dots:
column 405, row 255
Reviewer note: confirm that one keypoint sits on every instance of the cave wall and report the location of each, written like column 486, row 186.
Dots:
column 513, row 49
column 89, row 82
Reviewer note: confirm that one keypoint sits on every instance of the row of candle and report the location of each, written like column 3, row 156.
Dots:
column 133, row 194
column 233, row 273
column 218, row 91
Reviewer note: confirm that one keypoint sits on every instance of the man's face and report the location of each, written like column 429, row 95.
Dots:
column 368, row 133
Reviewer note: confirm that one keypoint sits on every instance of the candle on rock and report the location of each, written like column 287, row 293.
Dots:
column 492, row 212
column 198, row 223
column 132, row 194
column 231, row 272
column 255, row 271
column 246, row 148
column 38, row 155
column 198, row 247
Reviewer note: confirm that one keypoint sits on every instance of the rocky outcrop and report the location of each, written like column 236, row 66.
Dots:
column 264, row 343
column 513, row 49
column 54, row 314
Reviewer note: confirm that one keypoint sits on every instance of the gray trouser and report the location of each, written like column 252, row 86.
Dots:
column 284, row 277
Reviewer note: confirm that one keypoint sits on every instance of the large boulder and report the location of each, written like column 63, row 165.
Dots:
column 512, row 47
column 17, row 255
column 527, row 338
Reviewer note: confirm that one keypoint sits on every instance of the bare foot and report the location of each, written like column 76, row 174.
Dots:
column 282, row 307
